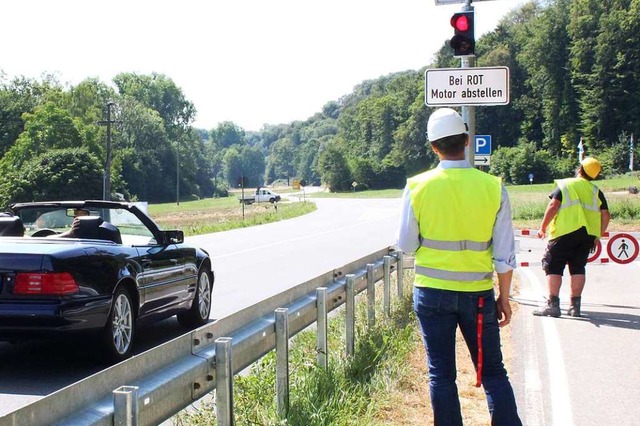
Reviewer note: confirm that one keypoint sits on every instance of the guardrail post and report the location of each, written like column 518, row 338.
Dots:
column 125, row 406
column 282, row 362
column 400, row 273
column 350, row 314
column 224, row 382
column 321, row 341
column 371, row 296
column 386, row 289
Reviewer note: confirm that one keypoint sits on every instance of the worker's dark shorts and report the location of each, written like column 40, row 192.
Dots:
column 572, row 249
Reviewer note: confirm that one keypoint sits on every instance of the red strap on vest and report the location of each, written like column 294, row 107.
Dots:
column 479, row 334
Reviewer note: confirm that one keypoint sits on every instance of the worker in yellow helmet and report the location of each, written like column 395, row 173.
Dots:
column 457, row 221
column 577, row 215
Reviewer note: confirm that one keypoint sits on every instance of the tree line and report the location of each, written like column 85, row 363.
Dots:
column 574, row 70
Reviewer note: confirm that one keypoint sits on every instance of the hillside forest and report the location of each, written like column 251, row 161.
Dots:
column 575, row 75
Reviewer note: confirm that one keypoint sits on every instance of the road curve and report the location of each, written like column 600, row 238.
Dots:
column 250, row 265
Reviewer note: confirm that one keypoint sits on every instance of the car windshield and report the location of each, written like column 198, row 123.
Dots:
column 60, row 218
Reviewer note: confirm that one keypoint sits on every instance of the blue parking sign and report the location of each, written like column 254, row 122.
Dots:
column 482, row 144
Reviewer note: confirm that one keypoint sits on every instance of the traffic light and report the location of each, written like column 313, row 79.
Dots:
column 463, row 41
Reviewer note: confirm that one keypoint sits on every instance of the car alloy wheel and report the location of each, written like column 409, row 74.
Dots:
column 204, row 295
column 198, row 313
column 122, row 324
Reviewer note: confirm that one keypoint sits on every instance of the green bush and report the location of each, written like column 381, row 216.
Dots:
column 624, row 209
column 58, row 174
column 515, row 164
column 614, row 159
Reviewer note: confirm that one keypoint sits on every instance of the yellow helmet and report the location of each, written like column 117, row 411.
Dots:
column 591, row 167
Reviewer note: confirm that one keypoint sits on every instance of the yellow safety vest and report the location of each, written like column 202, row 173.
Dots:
column 456, row 211
column 580, row 207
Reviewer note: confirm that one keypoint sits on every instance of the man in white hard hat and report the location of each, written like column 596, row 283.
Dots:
column 577, row 215
column 457, row 221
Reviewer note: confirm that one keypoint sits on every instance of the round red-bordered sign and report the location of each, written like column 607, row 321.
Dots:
column 596, row 253
column 621, row 254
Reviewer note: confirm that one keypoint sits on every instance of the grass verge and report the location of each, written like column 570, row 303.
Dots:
column 352, row 391
column 384, row 383
column 223, row 214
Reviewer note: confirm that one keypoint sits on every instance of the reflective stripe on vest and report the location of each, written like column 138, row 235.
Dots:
column 455, row 209
column 453, row 275
column 456, row 245
column 594, row 200
column 580, row 207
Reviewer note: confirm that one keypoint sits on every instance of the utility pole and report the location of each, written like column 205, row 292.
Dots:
column 178, row 173
column 106, row 188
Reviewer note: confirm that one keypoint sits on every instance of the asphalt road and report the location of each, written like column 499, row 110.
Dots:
column 250, row 264
column 578, row 371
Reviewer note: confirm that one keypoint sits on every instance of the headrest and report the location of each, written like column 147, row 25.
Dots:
column 11, row 226
column 107, row 231
column 88, row 227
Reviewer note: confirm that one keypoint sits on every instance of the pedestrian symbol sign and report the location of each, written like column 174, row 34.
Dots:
column 623, row 248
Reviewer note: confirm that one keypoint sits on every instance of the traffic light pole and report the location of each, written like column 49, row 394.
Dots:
column 469, row 112
column 469, row 115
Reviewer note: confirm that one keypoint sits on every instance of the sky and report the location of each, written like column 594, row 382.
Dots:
column 252, row 62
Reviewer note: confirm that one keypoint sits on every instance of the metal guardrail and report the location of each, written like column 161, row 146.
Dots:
column 153, row 386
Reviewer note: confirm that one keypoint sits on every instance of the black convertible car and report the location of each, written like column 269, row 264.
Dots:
column 97, row 266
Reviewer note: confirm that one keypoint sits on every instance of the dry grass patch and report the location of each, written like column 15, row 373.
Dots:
column 409, row 403
column 191, row 218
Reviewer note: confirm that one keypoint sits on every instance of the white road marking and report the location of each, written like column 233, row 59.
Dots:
column 561, row 412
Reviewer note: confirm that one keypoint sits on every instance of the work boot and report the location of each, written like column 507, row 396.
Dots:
column 574, row 309
column 552, row 309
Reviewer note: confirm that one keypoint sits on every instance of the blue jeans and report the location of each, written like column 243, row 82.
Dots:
column 440, row 312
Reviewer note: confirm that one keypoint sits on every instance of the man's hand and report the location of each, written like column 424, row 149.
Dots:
column 542, row 233
column 595, row 246
column 71, row 233
column 503, row 310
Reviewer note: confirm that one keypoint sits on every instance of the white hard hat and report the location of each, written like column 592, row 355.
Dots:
column 445, row 122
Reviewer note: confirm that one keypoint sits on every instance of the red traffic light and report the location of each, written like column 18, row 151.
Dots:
column 463, row 41
column 460, row 22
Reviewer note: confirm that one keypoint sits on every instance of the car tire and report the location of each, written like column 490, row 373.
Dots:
column 119, row 332
column 272, row 200
column 200, row 309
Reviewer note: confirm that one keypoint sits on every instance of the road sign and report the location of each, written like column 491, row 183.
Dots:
column 623, row 248
column 596, row 253
column 481, row 160
column 482, row 144
column 467, row 86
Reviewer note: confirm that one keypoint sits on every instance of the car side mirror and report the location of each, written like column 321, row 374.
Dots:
column 172, row 237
